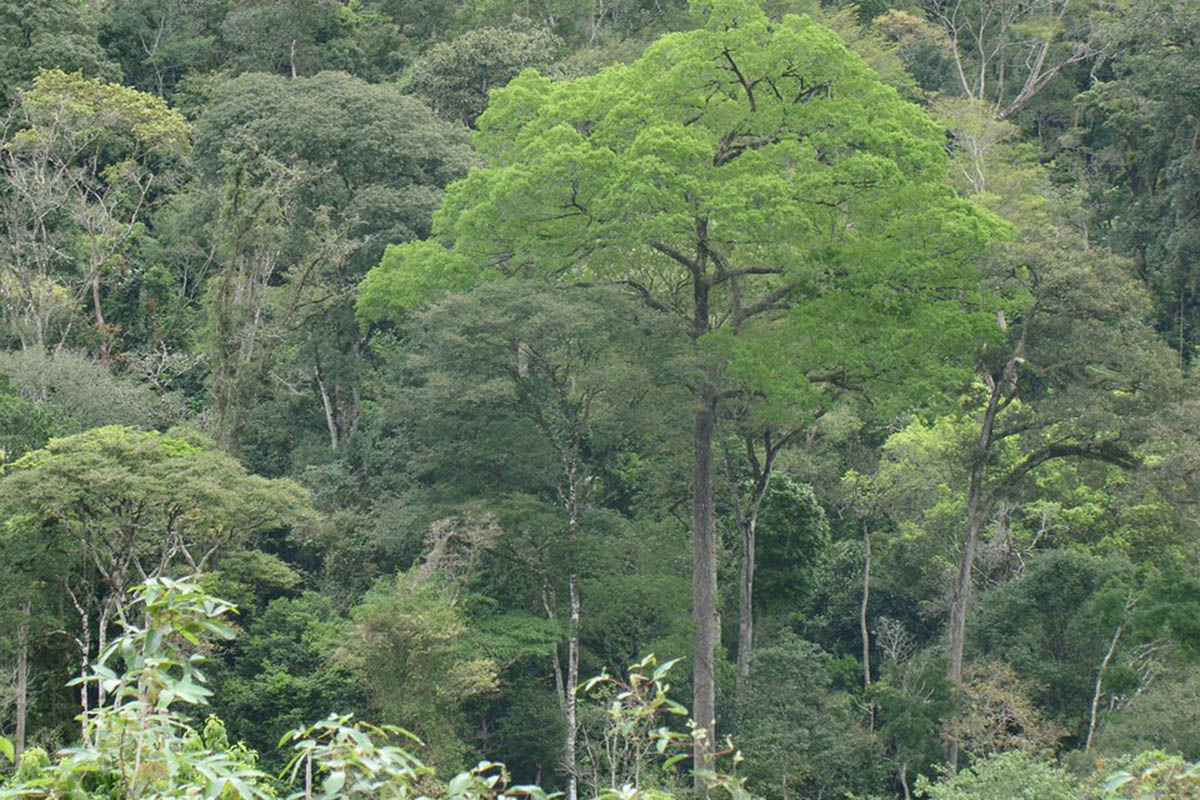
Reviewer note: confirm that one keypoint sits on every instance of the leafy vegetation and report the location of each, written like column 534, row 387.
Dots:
column 842, row 354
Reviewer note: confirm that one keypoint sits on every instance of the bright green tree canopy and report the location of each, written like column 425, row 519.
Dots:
column 734, row 172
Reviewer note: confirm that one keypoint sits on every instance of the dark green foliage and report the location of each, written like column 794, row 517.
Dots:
column 793, row 532
column 49, row 34
column 1161, row 716
column 455, row 77
column 281, row 676
column 373, row 156
column 1049, row 625
column 159, row 42
column 23, row 425
column 1138, row 158
column 799, row 733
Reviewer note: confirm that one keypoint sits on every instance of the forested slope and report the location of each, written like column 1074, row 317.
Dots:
column 472, row 349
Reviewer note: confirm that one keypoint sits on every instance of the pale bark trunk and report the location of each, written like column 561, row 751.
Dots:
column 747, row 520
column 704, row 580
column 572, row 688
column 977, row 509
column 331, row 421
column 746, row 603
column 1098, row 693
column 1099, row 689
column 101, row 329
column 862, row 612
column 22, row 684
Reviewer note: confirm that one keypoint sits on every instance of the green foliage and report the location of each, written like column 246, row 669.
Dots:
column 1161, row 716
column 315, row 175
column 1151, row 775
column 77, row 393
column 1137, row 161
column 1016, row 775
column 409, row 633
column 158, row 42
column 624, row 176
column 140, row 745
column 23, row 425
column 35, row 34
column 121, row 489
column 490, row 414
column 800, row 736
column 290, row 38
column 455, row 77
column 634, row 734
column 281, row 675
column 912, row 697
column 91, row 512
column 351, row 762
column 792, row 533
column 522, row 375
column 83, row 159
column 90, row 114
column 373, row 156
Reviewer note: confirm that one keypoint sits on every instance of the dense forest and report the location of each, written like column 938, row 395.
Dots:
column 782, row 399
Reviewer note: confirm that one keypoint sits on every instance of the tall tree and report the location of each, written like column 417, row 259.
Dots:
column 584, row 370
column 315, row 176
column 1136, row 144
column 158, row 42
column 751, row 177
column 1005, row 52
column 83, row 160
column 1076, row 377
column 95, row 513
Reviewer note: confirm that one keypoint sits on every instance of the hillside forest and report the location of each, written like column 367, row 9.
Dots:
column 615, row 399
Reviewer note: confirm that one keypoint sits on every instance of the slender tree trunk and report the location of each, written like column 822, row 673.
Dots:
column 572, row 687
column 85, row 660
column 977, row 510
column 746, row 601
column 862, row 611
column 22, row 683
column 747, row 521
column 331, row 419
column 1096, row 695
column 101, row 328
column 704, row 578
column 962, row 586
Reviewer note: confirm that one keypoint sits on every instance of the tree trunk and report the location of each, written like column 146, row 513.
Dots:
column 746, row 601
column 862, row 611
column 704, row 579
column 22, row 683
column 101, row 328
column 747, row 520
column 572, row 687
column 977, row 510
column 962, row 586
column 1096, row 695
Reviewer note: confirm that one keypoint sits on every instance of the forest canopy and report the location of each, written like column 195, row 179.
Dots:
column 630, row 399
